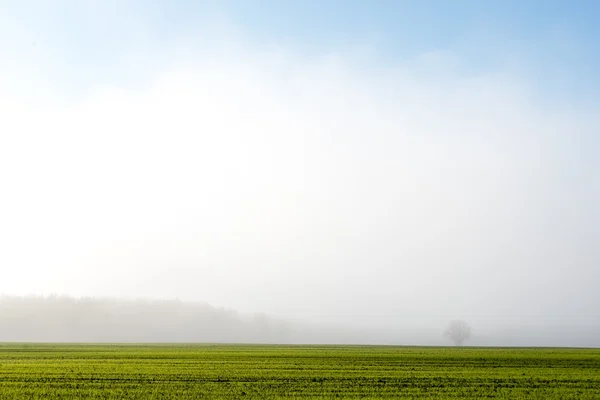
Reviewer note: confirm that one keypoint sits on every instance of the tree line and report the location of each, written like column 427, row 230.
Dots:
column 70, row 319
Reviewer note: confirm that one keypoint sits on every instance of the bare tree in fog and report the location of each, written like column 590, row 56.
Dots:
column 458, row 331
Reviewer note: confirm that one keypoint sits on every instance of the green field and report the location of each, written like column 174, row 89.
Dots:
column 35, row 371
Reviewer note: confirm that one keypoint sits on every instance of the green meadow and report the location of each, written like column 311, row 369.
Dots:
column 58, row 371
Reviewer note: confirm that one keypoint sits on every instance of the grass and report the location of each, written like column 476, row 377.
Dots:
column 40, row 371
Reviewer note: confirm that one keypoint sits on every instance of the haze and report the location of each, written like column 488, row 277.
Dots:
column 366, row 169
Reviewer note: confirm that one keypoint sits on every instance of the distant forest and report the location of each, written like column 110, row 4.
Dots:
column 68, row 319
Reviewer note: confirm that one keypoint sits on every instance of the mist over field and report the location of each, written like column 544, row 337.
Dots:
column 354, row 188
column 58, row 319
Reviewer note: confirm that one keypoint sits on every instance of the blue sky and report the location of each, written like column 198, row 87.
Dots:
column 553, row 42
column 432, row 150
column 556, row 39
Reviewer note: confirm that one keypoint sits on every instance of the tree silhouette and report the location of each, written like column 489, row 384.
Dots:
column 458, row 331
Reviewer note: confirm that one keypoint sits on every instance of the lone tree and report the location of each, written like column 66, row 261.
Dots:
column 458, row 331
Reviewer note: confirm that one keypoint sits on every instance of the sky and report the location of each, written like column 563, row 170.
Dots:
column 383, row 163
